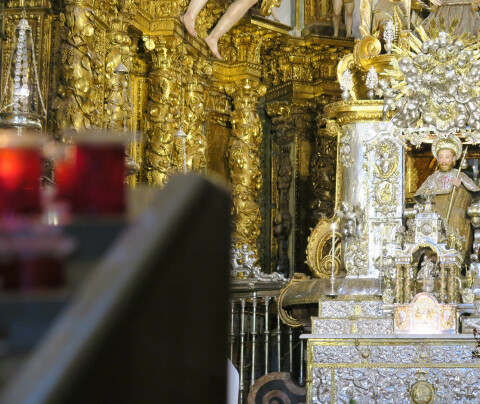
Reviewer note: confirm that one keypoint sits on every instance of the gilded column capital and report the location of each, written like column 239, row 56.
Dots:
column 332, row 130
column 242, row 43
column 164, row 51
column 244, row 92
column 345, row 112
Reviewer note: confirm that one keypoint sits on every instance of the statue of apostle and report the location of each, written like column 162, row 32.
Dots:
column 464, row 13
column 441, row 183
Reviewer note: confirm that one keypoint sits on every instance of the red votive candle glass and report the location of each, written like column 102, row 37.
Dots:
column 20, row 170
column 32, row 256
column 91, row 178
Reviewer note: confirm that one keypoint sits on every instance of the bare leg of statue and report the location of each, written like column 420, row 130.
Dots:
column 188, row 19
column 349, row 20
column 337, row 10
column 274, row 14
column 236, row 11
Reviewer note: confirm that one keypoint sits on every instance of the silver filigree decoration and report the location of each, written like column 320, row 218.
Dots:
column 243, row 266
column 389, row 35
column 436, row 88
column 348, row 308
column 385, row 177
column 387, row 385
column 321, row 385
column 397, row 354
column 335, row 326
column 345, row 148
column 356, row 258
column 346, row 84
column 361, row 326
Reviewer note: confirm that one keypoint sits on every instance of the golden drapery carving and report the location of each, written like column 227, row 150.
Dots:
column 244, row 161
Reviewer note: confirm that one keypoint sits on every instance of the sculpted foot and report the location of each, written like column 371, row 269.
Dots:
column 213, row 45
column 189, row 24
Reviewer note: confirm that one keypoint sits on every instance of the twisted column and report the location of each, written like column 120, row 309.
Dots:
column 81, row 70
column 196, row 74
column 283, row 136
column 118, row 61
column 399, row 284
column 452, row 287
column 407, row 292
column 443, row 283
column 244, row 162
column 163, row 108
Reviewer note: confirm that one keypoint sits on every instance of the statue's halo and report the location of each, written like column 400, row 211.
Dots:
column 451, row 142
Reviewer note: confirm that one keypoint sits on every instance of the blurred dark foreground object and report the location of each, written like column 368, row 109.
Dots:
column 150, row 324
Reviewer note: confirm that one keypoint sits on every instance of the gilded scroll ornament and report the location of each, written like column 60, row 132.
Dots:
column 244, row 161
column 319, row 249
column 285, row 316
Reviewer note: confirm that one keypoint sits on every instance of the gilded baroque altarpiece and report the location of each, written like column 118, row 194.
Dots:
column 224, row 107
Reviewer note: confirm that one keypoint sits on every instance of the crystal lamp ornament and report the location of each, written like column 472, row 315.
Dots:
column 21, row 110
column 180, row 134
column 371, row 82
column 389, row 35
column 347, row 84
